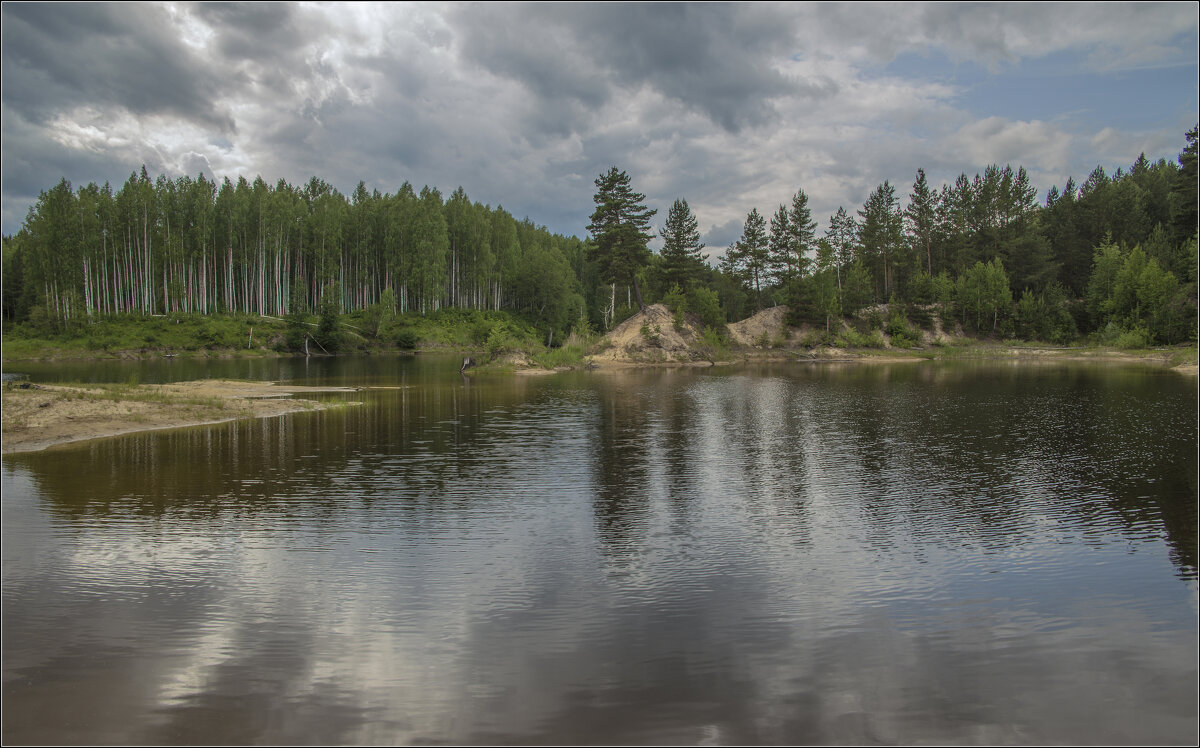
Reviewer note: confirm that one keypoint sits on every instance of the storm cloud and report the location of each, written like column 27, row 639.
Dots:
column 731, row 106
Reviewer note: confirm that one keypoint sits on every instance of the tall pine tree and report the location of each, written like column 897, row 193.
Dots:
column 803, row 231
column 681, row 258
column 620, row 226
column 748, row 257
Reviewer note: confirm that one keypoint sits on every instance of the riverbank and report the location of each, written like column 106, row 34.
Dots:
column 39, row 416
column 656, row 337
column 1182, row 361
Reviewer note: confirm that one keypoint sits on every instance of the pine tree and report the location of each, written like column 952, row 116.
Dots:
column 920, row 215
column 681, row 258
column 803, row 231
column 620, row 226
column 1183, row 192
column 841, row 236
column 748, row 257
column 780, row 251
column 879, row 234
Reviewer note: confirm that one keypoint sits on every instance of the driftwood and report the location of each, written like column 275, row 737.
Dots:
column 467, row 363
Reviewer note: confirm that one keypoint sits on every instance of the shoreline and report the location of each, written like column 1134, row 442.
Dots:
column 43, row 416
column 1031, row 354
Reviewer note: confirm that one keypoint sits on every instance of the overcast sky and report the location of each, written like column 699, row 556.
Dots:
column 731, row 107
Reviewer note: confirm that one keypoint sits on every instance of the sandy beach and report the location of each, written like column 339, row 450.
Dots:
column 44, row 415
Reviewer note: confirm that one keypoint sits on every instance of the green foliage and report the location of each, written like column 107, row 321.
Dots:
column 501, row 339
column 570, row 354
column 652, row 335
column 919, row 288
column 1183, row 197
column 329, row 334
column 183, row 333
column 874, row 319
column 882, row 248
column 676, row 301
column 850, row 338
column 818, row 337
column 1123, row 248
column 1045, row 316
column 620, row 227
column 1129, row 291
column 682, row 262
column 406, row 339
column 748, row 259
column 296, row 320
column 983, row 296
column 898, row 329
column 712, row 343
column 943, row 290
column 857, row 289
column 705, row 304
column 1132, row 338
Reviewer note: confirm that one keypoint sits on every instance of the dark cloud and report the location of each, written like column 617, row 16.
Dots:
column 718, row 237
column 726, row 105
column 33, row 163
column 252, row 31
column 715, row 59
column 108, row 55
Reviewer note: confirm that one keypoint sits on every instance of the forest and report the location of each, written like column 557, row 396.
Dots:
column 1112, row 259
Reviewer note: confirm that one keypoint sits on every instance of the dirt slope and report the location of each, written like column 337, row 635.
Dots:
column 650, row 336
column 769, row 322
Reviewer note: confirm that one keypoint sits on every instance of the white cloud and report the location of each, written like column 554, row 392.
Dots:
column 731, row 107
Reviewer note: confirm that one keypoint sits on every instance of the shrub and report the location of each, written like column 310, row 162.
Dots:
column 874, row 319
column 328, row 335
column 854, row 339
column 816, row 338
column 1137, row 337
column 898, row 329
column 406, row 339
column 706, row 304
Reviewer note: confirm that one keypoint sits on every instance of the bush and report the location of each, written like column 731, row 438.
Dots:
column 706, row 304
column 406, row 339
column 854, row 339
column 501, row 340
column 874, row 319
column 898, row 329
column 328, row 335
column 652, row 336
column 712, row 343
column 816, row 338
column 1138, row 337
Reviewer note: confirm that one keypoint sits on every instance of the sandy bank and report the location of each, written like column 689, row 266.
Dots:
column 45, row 415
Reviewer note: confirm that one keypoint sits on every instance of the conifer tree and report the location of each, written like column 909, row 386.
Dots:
column 803, row 231
column 920, row 216
column 841, row 236
column 681, row 258
column 780, row 252
column 748, row 257
column 620, row 226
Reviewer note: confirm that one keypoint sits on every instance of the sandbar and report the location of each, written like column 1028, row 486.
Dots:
column 38, row 416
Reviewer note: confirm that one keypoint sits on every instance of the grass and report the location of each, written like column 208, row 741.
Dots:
column 130, row 392
column 571, row 354
column 121, row 336
column 241, row 335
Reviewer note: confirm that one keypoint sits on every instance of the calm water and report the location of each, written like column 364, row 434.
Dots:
column 948, row 553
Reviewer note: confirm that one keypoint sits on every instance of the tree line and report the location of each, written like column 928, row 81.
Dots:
column 189, row 245
column 1115, row 255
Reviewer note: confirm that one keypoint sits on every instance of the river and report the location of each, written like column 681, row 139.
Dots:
column 945, row 552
